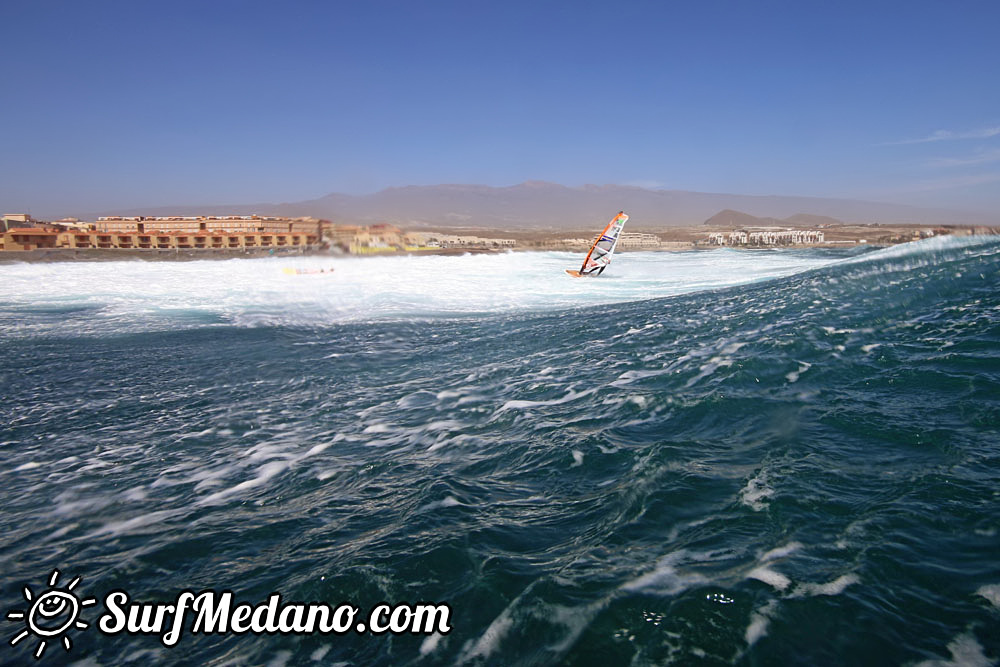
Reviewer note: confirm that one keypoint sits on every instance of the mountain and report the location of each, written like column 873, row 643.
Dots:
column 539, row 205
column 807, row 220
column 730, row 218
column 734, row 219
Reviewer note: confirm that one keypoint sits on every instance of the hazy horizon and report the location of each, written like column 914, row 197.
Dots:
column 116, row 106
column 248, row 207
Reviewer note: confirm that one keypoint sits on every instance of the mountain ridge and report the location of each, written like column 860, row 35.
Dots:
column 540, row 205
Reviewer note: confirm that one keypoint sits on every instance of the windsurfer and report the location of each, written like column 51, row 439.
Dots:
column 600, row 252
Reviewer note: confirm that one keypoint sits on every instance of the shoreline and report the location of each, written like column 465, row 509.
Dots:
column 56, row 255
column 678, row 239
column 67, row 255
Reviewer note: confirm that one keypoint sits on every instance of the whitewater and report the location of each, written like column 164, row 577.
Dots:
column 715, row 457
column 140, row 296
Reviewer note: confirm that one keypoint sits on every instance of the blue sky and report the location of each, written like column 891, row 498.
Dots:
column 122, row 104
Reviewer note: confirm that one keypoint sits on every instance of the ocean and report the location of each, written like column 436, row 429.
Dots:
column 721, row 457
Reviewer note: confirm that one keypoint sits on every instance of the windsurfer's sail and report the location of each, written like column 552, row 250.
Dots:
column 600, row 252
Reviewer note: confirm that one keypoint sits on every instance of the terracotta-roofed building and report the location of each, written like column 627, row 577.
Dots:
column 30, row 238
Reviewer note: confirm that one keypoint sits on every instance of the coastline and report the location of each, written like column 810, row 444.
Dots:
column 676, row 239
column 55, row 255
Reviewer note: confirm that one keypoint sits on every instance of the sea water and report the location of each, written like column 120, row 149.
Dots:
column 749, row 457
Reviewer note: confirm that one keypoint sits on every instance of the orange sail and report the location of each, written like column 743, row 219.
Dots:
column 600, row 252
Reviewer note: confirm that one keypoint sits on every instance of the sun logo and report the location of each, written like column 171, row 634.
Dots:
column 51, row 614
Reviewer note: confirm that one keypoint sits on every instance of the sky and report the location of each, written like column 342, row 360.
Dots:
column 151, row 103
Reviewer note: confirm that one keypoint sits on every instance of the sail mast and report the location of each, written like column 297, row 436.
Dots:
column 609, row 235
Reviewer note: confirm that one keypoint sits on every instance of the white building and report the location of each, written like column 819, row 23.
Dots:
column 768, row 237
column 639, row 240
column 455, row 241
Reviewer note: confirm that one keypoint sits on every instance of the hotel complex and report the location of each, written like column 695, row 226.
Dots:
column 239, row 233
column 767, row 237
column 256, row 233
column 168, row 233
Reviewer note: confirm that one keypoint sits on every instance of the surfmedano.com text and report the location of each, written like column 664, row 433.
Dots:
column 215, row 613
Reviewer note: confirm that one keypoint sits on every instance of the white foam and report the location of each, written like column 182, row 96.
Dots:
column 320, row 653
column 315, row 449
column 759, row 620
column 732, row 348
column 665, row 579
column 630, row 376
column 714, row 364
column 140, row 296
column 62, row 531
column 577, row 458
column 835, row 587
column 280, row 659
column 574, row 619
column 781, row 552
column 570, row 396
column 923, row 247
column 119, row 528
column 770, row 577
column 264, row 474
column 756, row 492
column 991, row 592
column 430, row 644
column 965, row 652
column 490, row 639
column 135, row 494
column 443, row 425
column 794, row 375
column 441, row 504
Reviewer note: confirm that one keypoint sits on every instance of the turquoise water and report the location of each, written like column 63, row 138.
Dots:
column 786, row 457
